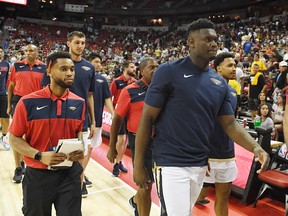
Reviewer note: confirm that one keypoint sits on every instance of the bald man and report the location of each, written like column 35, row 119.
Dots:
column 25, row 78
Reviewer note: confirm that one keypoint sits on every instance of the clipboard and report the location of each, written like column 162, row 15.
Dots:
column 67, row 146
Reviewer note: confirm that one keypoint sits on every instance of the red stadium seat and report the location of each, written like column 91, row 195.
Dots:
column 276, row 178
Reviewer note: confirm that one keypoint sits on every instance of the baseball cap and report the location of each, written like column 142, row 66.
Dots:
column 283, row 64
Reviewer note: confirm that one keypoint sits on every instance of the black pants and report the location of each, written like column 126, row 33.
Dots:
column 15, row 100
column 42, row 188
column 148, row 154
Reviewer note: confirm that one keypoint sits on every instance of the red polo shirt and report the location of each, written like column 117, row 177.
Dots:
column 42, row 116
column 27, row 78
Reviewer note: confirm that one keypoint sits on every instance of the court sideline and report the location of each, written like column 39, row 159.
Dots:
column 109, row 195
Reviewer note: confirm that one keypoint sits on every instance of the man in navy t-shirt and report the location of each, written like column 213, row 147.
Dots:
column 4, row 117
column 182, row 103
column 102, row 96
column 223, row 169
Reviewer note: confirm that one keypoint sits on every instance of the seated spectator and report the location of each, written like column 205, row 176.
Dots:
column 278, row 114
column 262, row 99
column 265, row 117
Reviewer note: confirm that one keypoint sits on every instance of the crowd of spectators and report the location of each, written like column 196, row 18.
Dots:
column 252, row 41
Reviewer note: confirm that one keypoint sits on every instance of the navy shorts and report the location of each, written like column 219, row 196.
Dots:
column 3, row 106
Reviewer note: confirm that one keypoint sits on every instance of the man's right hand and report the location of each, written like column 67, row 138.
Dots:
column 112, row 154
column 51, row 158
column 141, row 177
column 9, row 110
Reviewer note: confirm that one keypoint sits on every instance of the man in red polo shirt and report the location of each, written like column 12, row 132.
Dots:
column 116, row 87
column 46, row 116
column 130, row 104
column 25, row 78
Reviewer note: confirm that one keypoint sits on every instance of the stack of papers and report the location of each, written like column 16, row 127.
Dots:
column 67, row 146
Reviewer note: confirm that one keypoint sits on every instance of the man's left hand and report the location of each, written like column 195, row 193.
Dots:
column 263, row 157
column 93, row 131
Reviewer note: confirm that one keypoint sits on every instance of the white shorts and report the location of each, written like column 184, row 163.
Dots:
column 86, row 141
column 178, row 188
column 96, row 139
column 222, row 172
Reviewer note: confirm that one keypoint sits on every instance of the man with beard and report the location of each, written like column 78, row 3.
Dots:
column 25, row 78
column 46, row 116
column 84, row 86
column 116, row 87
column 182, row 103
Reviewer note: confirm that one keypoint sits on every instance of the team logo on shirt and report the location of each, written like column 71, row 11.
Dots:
column 99, row 80
column 21, row 66
column 216, row 81
column 72, row 108
column 233, row 94
column 86, row 68
column 121, row 84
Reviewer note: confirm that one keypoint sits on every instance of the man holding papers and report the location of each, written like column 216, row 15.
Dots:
column 45, row 117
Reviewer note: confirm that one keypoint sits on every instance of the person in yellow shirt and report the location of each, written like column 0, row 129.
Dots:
column 158, row 52
column 237, row 87
column 261, row 64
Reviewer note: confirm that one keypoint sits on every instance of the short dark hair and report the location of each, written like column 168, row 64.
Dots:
column 73, row 34
column 144, row 62
column 221, row 57
column 52, row 58
column 200, row 24
column 93, row 55
column 126, row 64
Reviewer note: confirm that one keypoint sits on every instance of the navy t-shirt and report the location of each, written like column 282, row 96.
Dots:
column 84, row 82
column 190, row 100
column 101, row 93
column 222, row 147
column 4, row 70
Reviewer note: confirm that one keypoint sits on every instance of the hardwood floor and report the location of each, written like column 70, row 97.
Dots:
column 107, row 196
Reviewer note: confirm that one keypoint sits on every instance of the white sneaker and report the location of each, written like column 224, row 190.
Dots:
column 4, row 141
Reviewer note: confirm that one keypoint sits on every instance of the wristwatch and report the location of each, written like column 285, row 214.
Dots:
column 38, row 156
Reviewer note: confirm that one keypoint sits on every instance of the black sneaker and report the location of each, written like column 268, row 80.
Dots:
column 23, row 167
column 84, row 191
column 87, row 182
column 17, row 178
column 115, row 171
column 203, row 202
column 133, row 206
column 122, row 168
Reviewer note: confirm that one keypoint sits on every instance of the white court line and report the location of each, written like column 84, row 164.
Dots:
column 120, row 180
column 104, row 190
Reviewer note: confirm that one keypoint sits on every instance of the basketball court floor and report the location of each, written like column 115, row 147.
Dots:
column 109, row 195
